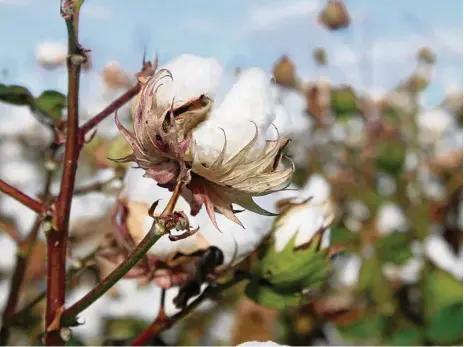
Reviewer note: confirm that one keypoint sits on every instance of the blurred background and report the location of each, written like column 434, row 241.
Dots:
column 374, row 93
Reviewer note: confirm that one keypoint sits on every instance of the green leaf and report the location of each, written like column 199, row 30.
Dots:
column 266, row 296
column 446, row 326
column 390, row 156
column 394, row 248
column 340, row 235
column 344, row 102
column 441, row 290
column 368, row 328
column 407, row 337
column 15, row 95
column 51, row 103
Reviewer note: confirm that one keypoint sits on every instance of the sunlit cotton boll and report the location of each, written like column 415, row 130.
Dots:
column 249, row 100
column 441, row 254
column 192, row 76
column 305, row 219
column 51, row 55
column 390, row 218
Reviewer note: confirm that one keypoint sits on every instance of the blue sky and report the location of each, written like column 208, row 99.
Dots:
column 374, row 53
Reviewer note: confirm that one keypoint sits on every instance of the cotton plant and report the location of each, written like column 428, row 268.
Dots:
column 225, row 173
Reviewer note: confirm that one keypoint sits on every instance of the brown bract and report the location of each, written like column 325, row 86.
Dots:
column 162, row 145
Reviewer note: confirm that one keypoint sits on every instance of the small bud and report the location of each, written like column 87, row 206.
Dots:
column 284, row 72
column 320, row 56
column 426, row 55
column 334, row 16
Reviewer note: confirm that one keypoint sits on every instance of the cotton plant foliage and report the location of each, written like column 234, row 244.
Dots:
column 175, row 137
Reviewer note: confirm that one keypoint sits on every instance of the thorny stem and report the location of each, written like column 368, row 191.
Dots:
column 162, row 322
column 26, row 200
column 57, row 239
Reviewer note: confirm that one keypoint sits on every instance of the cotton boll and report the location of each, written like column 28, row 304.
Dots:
column 317, row 187
column 390, row 218
column 249, row 100
column 408, row 273
column 90, row 205
column 51, row 54
column 434, row 123
column 441, row 254
column 20, row 174
column 347, row 270
column 192, row 76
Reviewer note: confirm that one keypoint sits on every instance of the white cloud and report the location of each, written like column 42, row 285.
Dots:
column 268, row 16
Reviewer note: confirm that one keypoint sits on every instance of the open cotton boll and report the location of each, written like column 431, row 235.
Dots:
column 347, row 269
column 407, row 273
column 306, row 218
column 192, row 76
column 317, row 187
column 249, row 100
column 434, row 123
column 441, row 254
column 390, row 218
column 8, row 252
column 22, row 215
column 234, row 241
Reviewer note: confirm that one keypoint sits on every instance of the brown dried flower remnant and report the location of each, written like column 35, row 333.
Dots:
column 162, row 146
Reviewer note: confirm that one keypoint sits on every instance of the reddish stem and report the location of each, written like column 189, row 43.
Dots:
column 57, row 239
column 111, row 108
column 26, row 200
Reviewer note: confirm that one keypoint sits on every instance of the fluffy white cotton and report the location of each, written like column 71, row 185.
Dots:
column 249, row 100
column 390, row 218
column 347, row 270
column 192, row 76
column 441, row 254
column 434, row 123
column 22, row 215
column 51, row 54
column 317, row 187
column 407, row 273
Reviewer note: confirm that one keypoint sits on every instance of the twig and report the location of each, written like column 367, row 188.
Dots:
column 134, row 257
column 111, row 108
column 161, row 324
column 26, row 200
column 155, row 233
column 93, row 187
column 22, row 259
column 57, row 239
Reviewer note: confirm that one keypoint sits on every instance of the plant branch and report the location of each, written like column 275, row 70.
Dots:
column 22, row 258
column 162, row 322
column 69, row 315
column 155, row 233
column 110, row 109
column 26, row 200
column 57, row 239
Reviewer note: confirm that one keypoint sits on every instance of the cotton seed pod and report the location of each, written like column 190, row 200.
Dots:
column 320, row 56
column 426, row 55
column 114, row 77
column 284, row 72
column 334, row 15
